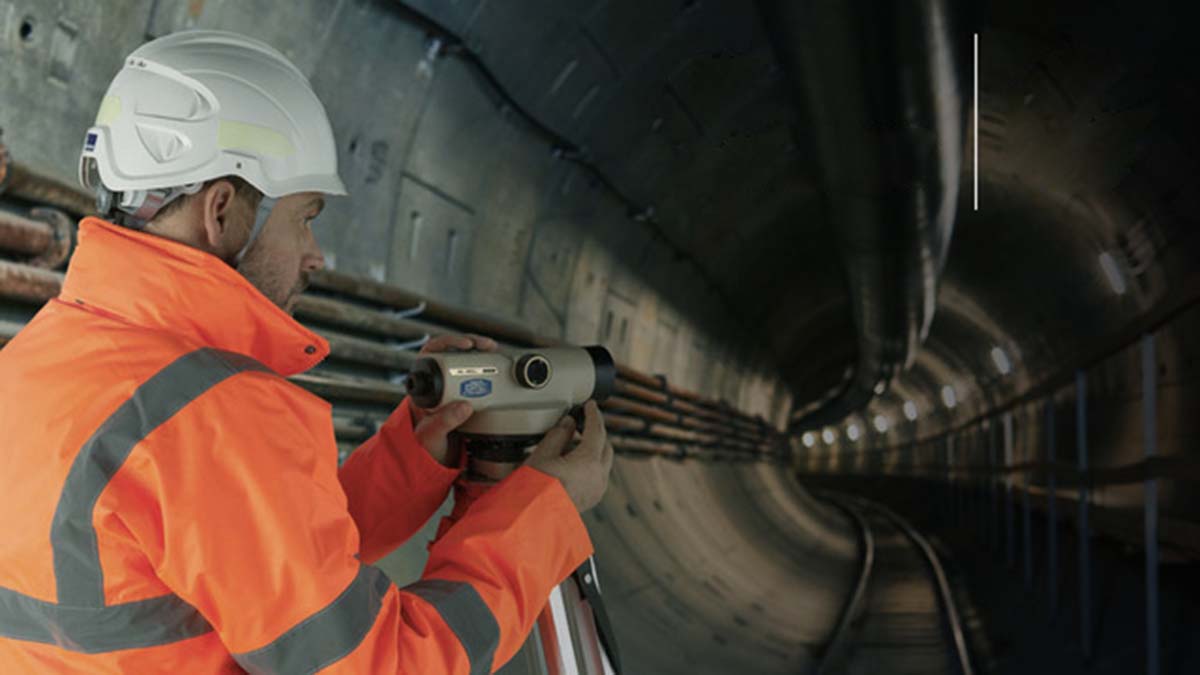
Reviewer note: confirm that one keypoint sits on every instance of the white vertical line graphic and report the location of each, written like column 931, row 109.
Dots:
column 976, row 107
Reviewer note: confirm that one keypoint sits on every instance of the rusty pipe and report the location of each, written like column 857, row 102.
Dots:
column 341, row 313
column 25, row 183
column 638, row 393
column 688, row 400
column 24, row 235
column 45, row 237
column 28, row 284
column 670, row 416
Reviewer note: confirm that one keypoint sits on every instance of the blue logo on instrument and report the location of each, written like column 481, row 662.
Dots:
column 475, row 388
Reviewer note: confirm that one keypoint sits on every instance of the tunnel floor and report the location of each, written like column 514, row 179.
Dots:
column 1010, row 624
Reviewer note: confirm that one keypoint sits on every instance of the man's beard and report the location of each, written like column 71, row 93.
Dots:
column 289, row 303
column 269, row 283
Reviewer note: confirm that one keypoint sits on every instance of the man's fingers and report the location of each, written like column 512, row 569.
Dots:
column 594, row 434
column 442, row 343
column 608, row 456
column 466, row 342
column 484, row 344
column 553, row 442
column 444, row 420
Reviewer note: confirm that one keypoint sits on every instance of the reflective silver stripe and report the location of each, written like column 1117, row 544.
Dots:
column 130, row 625
column 326, row 636
column 81, row 621
column 467, row 615
column 73, row 539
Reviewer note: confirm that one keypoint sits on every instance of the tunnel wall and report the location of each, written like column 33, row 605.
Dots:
column 709, row 568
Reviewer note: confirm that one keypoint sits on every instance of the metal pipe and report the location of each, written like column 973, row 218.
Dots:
column 24, row 235
column 1027, row 509
column 1083, row 532
column 367, row 352
column 28, row 284
column 880, row 82
column 690, row 401
column 1009, row 515
column 350, row 390
column 669, row 416
column 993, row 488
column 1051, row 509
column 363, row 319
column 32, row 186
column 1150, row 438
column 448, row 315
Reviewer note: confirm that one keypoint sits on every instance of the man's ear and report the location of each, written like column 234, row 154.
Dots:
column 218, row 209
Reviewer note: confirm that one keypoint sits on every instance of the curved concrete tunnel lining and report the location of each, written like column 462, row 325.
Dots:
column 536, row 236
column 700, row 551
column 456, row 200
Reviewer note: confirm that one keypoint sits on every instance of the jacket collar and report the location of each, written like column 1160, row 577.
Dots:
column 165, row 285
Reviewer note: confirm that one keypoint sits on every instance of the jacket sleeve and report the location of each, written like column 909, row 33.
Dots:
column 252, row 528
column 392, row 485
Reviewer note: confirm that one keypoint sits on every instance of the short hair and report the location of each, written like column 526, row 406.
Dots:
column 242, row 188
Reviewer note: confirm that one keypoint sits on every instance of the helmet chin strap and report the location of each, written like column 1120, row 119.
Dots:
column 260, row 219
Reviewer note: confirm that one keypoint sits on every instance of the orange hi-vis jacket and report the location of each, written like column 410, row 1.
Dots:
column 169, row 503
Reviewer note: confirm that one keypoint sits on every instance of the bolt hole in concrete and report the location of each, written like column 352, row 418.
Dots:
column 26, row 29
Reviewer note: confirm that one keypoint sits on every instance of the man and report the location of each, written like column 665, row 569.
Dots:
column 171, row 502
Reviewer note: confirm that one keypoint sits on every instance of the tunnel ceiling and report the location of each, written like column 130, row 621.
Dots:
column 1087, row 145
column 685, row 109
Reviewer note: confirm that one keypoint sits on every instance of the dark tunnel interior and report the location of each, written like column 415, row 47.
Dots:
column 903, row 295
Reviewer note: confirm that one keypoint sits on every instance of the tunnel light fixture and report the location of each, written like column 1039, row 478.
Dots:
column 881, row 423
column 829, row 436
column 853, row 432
column 949, row 396
column 809, row 439
column 910, row 411
column 1112, row 272
column 1000, row 358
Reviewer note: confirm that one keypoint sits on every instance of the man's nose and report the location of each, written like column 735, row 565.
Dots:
column 314, row 257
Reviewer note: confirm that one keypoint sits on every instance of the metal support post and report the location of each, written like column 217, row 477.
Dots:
column 1009, row 516
column 993, row 488
column 958, row 496
column 1028, row 518
column 981, row 495
column 951, row 510
column 1051, row 509
column 1150, row 437
column 1083, row 533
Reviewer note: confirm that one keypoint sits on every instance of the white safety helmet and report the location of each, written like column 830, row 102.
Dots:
column 197, row 105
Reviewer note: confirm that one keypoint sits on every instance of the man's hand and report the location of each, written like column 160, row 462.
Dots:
column 583, row 471
column 432, row 426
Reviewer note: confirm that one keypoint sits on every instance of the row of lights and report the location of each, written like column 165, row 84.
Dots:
column 1112, row 272
column 882, row 422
